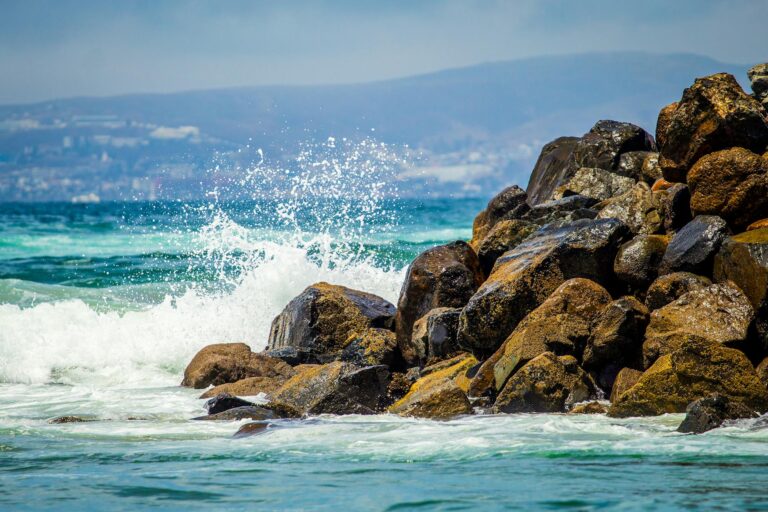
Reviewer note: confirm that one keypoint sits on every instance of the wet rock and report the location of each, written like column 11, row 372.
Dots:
column 398, row 387
column 676, row 204
column 231, row 362
column 444, row 276
column 661, row 184
column 505, row 235
column 442, row 327
column 670, row 287
column 551, row 169
column 697, row 369
column 508, row 204
column 321, row 319
column 637, row 262
column 438, row 399
column 720, row 313
column 59, row 420
column 372, row 347
column 625, row 379
column 693, row 248
column 662, row 125
column 251, row 386
column 732, row 184
column 713, row 114
column 251, row 429
column 589, row 408
column 525, row 277
column 616, row 341
column 595, row 183
column 548, row 383
column 456, row 369
column 758, row 76
column 639, row 208
column 336, row 388
column 563, row 211
column 248, row 412
column 758, row 224
column 711, row 412
column 223, row 402
column 604, row 144
column 291, row 355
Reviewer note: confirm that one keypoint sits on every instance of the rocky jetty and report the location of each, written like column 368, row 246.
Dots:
column 632, row 268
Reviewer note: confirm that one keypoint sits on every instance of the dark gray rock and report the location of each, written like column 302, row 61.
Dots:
column 633, row 165
column 693, row 248
column 677, row 207
column 562, row 211
column 249, row 412
column 670, row 287
column 224, row 401
column 711, row 412
column 637, row 262
column 551, row 169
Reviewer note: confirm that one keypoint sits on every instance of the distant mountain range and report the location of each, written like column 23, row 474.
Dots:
column 469, row 131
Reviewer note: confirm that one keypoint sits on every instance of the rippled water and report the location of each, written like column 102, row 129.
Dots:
column 102, row 306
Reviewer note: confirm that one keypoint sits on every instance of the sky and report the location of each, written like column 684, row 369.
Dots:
column 63, row 48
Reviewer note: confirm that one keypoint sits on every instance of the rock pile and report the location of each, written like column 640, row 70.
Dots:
column 632, row 268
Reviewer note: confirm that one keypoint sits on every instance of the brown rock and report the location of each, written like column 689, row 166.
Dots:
column 551, row 169
column 251, row 429
column 505, row 235
column 625, row 379
column 663, row 122
column 762, row 371
column 444, row 276
column 695, row 370
column 651, row 170
column 637, row 262
column 321, row 319
column 670, row 287
column 720, row 313
column 251, row 386
column 231, row 362
column 589, row 408
column 372, row 347
column 510, row 203
column 439, row 400
column 732, row 184
column 547, row 383
column 758, row 224
column 661, row 184
column 713, row 114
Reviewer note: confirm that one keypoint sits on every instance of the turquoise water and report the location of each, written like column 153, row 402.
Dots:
column 102, row 306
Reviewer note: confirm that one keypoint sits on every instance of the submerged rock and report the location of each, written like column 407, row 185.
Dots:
column 71, row 419
column 720, row 313
column 336, row 388
column 693, row 248
column 444, row 276
column 668, row 288
column 525, row 276
column 732, row 184
column 548, row 383
column 248, row 412
column 713, row 114
column 251, row 429
column 321, row 319
column 711, row 412
column 230, row 362
column 695, row 370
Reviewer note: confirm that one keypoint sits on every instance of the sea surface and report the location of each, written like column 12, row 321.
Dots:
column 103, row 305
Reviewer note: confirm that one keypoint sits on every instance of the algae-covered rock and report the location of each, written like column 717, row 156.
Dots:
column 711, row 412
column 695, row 370
column 230, row 362
column 713, row 114
column 372, row 347
column 732, row 184
column 637, row 261
column 505, row 235
column 589, row 408
column 548, row 383
column 720, row 313
column 625, row 379
column 336, row 388
column 693, row 248
column 444, row 276
column 670, row 287
column 525, row 276
column 510, row 203
column 321, row 319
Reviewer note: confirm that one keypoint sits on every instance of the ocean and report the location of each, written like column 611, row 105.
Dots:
column 103, row 305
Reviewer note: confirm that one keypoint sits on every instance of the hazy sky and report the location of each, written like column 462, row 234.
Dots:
column 62, row 48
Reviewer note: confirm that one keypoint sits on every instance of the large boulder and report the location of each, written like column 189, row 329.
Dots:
column 525, row 276
column 720, row 313
column 551, row 169
column 639, row 208
column 505, row 235
column 713, row 114
column 322, row 318
column 616, row 340
column 758, row 77
column 510, row 203
column 743, row 259
column 693, row 248
column 711, row 412
column 637, row 262
column 230, row 362
column 561, row 325
column 444, row 276
column 732, row 184
column 595, row 183
column 548, row 383
column 695, row 370
column 336, row 388
column 670, row 287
